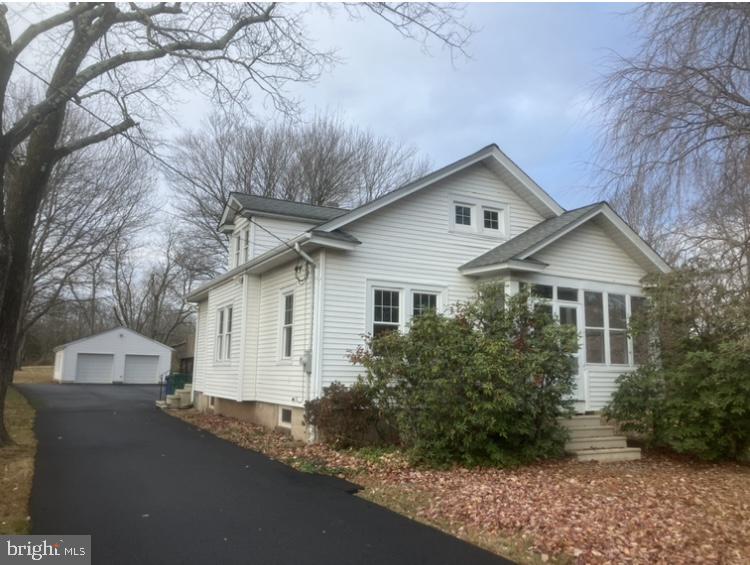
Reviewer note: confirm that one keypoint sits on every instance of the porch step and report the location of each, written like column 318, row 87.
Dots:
column 184, row 396
column 161, row 403
column 187, row 386
column 587, row 421
column 593, row 431
column 609, row 455
column 172, row 401
column 605, row 442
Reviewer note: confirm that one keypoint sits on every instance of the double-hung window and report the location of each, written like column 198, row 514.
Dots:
column 386, row 311
column 246, row 245
column 423, row 301
column 640, row 339
column 237, row 248
column 287, row 325
column 224, row 334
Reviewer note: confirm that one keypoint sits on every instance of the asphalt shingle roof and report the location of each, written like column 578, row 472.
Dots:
column 515, row 248
column 288, row 208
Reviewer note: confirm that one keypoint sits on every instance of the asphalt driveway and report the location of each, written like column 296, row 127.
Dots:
column 150, row 488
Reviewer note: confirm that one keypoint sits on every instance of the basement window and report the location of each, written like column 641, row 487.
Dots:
column 285, row 417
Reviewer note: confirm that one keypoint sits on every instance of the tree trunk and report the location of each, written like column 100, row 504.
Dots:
column 25, row 186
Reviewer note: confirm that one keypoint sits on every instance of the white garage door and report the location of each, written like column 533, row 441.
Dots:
column 141, row 369
column 94, row 368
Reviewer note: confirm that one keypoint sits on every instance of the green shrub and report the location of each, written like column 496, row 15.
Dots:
column 483, row 386
column 695, row 397
column 345, row 416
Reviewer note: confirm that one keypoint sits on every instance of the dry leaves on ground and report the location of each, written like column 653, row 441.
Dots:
column 657, row 510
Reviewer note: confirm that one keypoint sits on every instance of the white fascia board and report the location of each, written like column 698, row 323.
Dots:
column 527, row 181
column 506, row 266
column 545, row 242
column 636, row 240
column 606, row 211
column 275, row 255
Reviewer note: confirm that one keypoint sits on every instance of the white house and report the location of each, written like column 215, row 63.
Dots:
column 306, row 282
column 119, row 355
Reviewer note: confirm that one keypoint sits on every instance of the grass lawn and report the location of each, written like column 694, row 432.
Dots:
column 34, row 374
column 17, row 465
column 658, row 510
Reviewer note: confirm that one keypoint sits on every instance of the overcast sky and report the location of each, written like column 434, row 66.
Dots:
column 527, row 87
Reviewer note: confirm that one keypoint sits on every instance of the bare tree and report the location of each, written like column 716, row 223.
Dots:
column 678, row 119
column 122, row 61
column 152, row 301
column 322, row 162
column 95, row 198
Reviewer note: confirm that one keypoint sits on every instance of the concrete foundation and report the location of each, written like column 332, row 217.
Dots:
column 262, row 413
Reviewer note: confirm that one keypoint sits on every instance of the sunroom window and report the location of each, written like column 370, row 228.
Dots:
column 594, row 317
column 618, row 340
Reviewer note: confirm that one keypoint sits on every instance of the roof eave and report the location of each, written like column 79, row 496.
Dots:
column 504, row 267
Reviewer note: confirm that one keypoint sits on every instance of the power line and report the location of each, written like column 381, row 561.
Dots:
column 145, row 149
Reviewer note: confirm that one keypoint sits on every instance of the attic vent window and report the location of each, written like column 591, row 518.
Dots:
column 463, row 215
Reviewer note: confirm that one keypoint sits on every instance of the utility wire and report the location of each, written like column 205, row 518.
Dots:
column 146, row 150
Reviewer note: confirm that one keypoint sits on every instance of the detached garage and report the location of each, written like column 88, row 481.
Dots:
column 119, row 355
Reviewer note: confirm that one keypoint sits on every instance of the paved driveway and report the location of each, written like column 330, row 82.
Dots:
column 150, row 488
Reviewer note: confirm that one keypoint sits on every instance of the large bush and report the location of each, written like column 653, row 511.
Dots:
column 694, row 394
column 482, row 386
column 345, row 416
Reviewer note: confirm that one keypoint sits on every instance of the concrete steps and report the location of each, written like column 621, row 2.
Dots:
column 180, row 398
column 590, row 439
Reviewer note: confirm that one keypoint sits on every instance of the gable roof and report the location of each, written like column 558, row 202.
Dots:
column 261, row 205
column 492, row 156
column 521, row 247
column 513, row 249
column 116, row 328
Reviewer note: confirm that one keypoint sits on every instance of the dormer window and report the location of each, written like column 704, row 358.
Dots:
column 463, row 215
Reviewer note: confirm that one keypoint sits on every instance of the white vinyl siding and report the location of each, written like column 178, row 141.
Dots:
column 263, row 241
column 271, row 377
column 411, row 242
column 214, row 377
column 589, row 253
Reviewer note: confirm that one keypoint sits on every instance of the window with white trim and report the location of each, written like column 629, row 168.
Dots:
column 594, row 317
column 463, row 215
column 491, row 219
column 246, row 245
column 287, row 325
column 237, row 249
column 618, row 324
column 640, row 340
column 423, row 301
column 386, row 311
column 224, row 333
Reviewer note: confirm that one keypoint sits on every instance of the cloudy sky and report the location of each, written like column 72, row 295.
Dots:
column 528, row 87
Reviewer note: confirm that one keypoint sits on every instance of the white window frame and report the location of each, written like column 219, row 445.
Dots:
column 236, row 250
column 406, row 300
column 472, row 217
column 477, row 208
column 283, row 326
column 282, row 423
column 246, row 244
column 224, row 331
